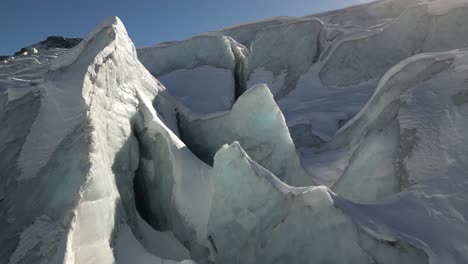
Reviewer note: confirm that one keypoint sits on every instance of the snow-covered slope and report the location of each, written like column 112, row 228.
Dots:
column 339, row 137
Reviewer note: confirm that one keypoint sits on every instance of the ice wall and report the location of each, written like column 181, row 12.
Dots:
column 257, row 218
column 80, row 197
column 286, row 51
column 238, row 211
column 368, row 14
column 417, row 30
column 257, row 123
column 245, row 33
column 199, row 72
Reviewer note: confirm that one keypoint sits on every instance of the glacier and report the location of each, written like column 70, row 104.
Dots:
column 337, row 137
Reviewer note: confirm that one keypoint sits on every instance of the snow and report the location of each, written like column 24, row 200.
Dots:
column 88, row 105
column 161, row 244
column 60, row 110
column 58, row 114
column 43, row 234
column 203, row 89
column 15, row 93
column 130, row 251
column 367, row 14
column 261, row 75
column 218, row 160
column 195, row 69
column 271, row 50
column 416, row 30
column 441, row 7
column 433, row 146
column 244, row 33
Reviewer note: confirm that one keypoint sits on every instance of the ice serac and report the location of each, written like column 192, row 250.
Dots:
column 245, row 33
column 256, row 218
column 199, row 72
column 426, row 95
column 377, row 138
column 387, row 113
column 257, row 123
column 172, row 186
column 417, row 30
column 79, row 192
column 280, row 54
column 239, row 212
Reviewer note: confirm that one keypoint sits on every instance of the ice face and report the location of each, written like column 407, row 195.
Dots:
column 210, row 49
column 257, row 123
column 245, row 33
column 371, row 174
column 367, row 15
column 255, row 217
column 194, row 70
column 203, row 90
column 239, row 205
column 82, row 187
column 417, row 30
column 240, row 212
column 271, row 51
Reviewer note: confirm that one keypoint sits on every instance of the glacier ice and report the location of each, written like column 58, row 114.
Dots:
column 245, row 33
column 257, row 123
column 271, row 50
column 417, row 30
column 195, row 70
column 240, row 206
column 367, row 15
column 83, row 175
column 252, row 212
column 177, row 153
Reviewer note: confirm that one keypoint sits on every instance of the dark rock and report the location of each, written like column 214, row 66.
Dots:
column 21, row 51
column 52, row 42
column 60, row 42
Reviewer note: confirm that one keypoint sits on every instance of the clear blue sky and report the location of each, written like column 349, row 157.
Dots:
column 148, row 21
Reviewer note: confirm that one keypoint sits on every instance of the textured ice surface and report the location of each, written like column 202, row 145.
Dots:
column 287, row 50
column 199, row 72
column 210, row 49
column 100, row 163
column 367, row 15
column 257, row 123
column 255, row 217
column 205, row 89
column 79, row 190
column 363, row 57
column 425, row 95
column 240, row 212
column 245, row 33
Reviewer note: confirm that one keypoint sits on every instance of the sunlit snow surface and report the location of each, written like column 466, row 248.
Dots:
column 339, row 137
